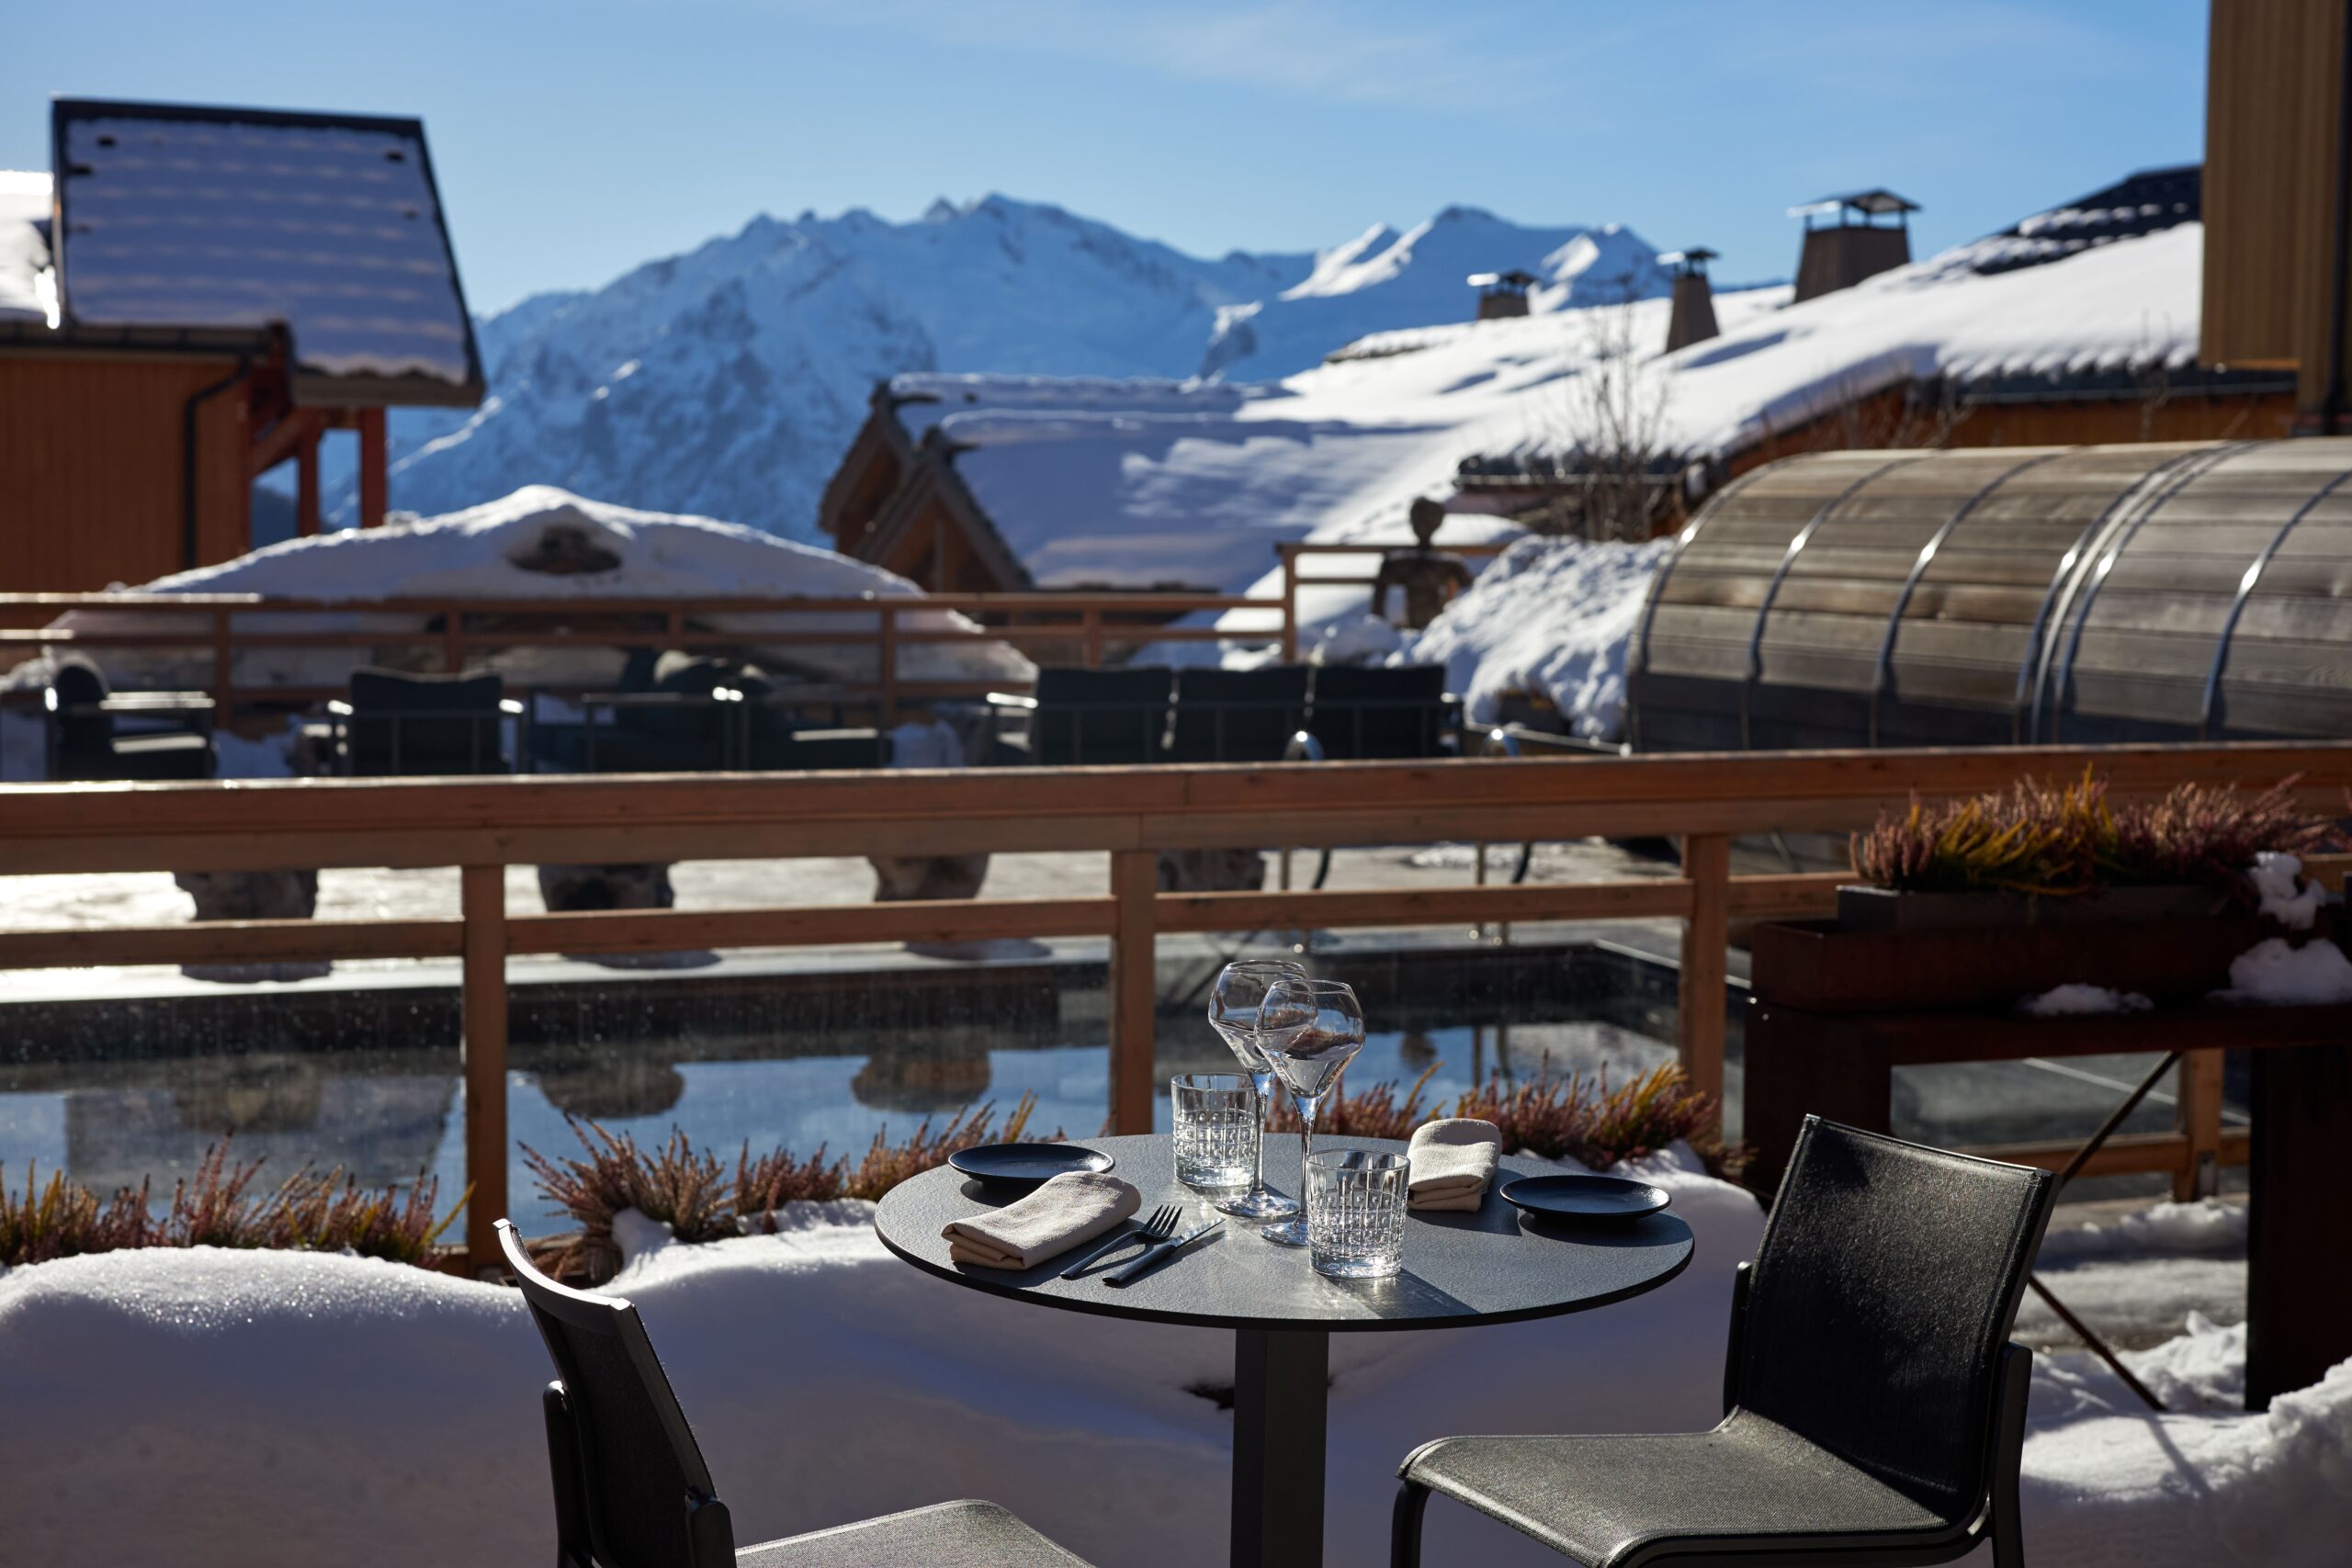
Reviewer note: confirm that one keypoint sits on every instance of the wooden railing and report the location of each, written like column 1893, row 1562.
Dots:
column 451, row 632
column 483, row 825
column 1295, row 578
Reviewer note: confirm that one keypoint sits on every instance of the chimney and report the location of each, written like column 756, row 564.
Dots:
column 1850, row 242
column 1502, row 293
column 1694, row 300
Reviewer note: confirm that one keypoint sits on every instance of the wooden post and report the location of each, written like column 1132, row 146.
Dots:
column 1090, row 631
column 2199, row 1111
column 482, row 904
column 453, row 638
column 1135, row 881
column 1290, row 605
column 374, row 473
column 885, row 653
column 1706, row 862
column 306, row 488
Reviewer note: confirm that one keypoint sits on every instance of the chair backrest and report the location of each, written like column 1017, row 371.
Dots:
column 1099, row 716
column 403, row 723
column 1380, row 711
column 641, row 1496
column 1883, row 1292
column 1237, row 715
column 75, row 691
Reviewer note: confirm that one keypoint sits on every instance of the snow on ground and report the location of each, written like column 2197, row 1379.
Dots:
column 367, row 1413
column 1552, row 617
column 477, row 554
column 2274, row 973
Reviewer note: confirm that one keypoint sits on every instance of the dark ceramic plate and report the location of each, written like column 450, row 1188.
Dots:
column 1026, row 1165
column 1585, row 1197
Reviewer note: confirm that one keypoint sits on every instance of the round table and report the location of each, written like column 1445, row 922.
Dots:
column 1463, row 1268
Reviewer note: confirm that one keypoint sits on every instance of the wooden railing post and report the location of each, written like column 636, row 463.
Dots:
column 482, row 904
column 886, row 652
column 1135, row 881
column 1290, row 605
column 453, row 638
column 224, row 669
column 2199, row 1111
column 1091, row 637
column 1706, row 862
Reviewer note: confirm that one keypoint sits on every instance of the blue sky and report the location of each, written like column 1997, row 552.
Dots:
column 576, row 139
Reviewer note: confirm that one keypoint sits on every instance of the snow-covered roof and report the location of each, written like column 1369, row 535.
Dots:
column 2137, row 203
column 483, row 553
column 331, row 225
column 23, row 244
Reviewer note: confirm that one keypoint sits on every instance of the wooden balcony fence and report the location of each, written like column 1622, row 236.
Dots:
column 485, row 825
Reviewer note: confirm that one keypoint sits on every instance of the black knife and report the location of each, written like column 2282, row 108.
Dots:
column 1164, row 1250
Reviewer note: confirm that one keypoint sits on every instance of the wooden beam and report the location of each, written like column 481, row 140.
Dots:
column 1135, row 881
column 1706, row 862
column 673, row 931
column 482, row 904
column 375, row 474
column 1422, row 906
column 306, row 488
column 2197, row 1111
column 230, row 942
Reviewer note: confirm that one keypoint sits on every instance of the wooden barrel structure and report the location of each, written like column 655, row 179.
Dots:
column 2162, row 592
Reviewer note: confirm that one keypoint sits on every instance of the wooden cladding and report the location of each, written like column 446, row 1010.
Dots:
column 2273, row 187
column 92, row 467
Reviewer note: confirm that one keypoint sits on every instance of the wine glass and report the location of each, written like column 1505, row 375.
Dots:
column 1310, row 1030
column 1233, row 1013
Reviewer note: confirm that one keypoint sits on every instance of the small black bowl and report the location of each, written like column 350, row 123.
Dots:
column 1026, row 1165
column 1568, row 1196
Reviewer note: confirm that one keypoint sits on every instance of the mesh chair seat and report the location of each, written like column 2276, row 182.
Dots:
column 946, row 1535
column 1610, row 1501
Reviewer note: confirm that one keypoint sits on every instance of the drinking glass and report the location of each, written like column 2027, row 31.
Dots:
column 1233, row 1013
column 1355, row 1212
column 1310, row 1030
column 1215, row 1121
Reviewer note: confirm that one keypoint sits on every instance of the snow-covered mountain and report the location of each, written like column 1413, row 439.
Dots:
column 1382, row 280
column 728, row 381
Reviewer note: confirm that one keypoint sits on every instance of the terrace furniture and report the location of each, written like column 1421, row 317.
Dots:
column 2298, row 1247
column 1089, row 717
column 1872, row 1412
column 1461, row 1269
column 631, row 1490
column 1361, row 713
column 84, row 742
column 396, row 724
column 1237, row 715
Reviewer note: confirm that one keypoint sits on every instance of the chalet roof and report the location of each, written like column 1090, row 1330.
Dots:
column 331, row 226
column 2141, row 203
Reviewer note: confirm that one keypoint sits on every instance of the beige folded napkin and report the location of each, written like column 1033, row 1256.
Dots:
column 1075, row 1206
column 1453, row 1163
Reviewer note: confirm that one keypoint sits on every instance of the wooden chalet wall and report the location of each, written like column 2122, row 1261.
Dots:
column 92, row 467
column 2274, row 283
column 2098, row 594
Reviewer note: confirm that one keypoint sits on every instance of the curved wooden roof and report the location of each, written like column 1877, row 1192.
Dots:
column 2089, row 594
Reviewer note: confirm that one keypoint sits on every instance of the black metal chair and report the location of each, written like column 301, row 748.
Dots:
column 1398, row 711
column 1099, row 717
column 84, row 744
column 1873, row 1412
column 1237, row 715
column 398, row 723
column 631, row 1490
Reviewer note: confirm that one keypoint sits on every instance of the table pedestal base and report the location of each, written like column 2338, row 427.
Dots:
column 1282, row 1380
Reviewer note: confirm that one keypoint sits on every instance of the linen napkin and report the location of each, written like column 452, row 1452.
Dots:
column 1074, row 1207
column 1453, row 1163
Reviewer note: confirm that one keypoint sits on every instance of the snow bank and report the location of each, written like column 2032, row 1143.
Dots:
column 2062, row 1000
column 2272, row 973
column 1551, row 618
column 483, row 553
column 188, row 1400
column 2207, row 1225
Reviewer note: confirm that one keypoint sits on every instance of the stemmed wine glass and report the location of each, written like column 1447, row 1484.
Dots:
column 1310, row 1030
column 1233, row 1013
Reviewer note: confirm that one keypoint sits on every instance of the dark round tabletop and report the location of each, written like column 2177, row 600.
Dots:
column 1492, row 1265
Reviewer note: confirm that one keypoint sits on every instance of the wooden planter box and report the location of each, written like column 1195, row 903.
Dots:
column 1979, row 950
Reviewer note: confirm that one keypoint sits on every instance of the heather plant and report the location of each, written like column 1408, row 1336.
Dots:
column 311, row 1210
column 1586, row 1120
column 686, row 1189
column 1374, row 1113
column 2063, row 841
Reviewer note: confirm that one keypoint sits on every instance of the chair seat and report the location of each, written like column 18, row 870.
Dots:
column 1609, row 1501
column 946, row 1535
